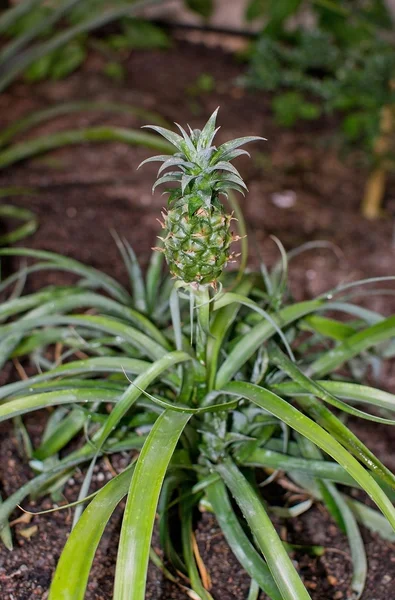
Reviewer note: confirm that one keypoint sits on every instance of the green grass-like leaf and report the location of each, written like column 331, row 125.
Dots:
column 39, row 145
column 296, row 420
column 207, row 386
column 280, row 565
column 71, row 576
column 138, row 521
column 28, row 227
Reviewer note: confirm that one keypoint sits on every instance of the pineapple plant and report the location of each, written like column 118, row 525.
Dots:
column 196, row 416
column 198, row 235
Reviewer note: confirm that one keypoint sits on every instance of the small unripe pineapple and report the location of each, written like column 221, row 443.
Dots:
column 197, row 236
column 196, row 247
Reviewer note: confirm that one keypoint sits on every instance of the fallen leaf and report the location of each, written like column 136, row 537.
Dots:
column 25, row 518
column 29, row 532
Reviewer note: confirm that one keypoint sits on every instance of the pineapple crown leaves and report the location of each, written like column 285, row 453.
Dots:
column 201, row 166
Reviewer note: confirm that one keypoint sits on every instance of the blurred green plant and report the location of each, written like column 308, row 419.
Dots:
column 138, row 34
column 203, row 8
column 50, row 39
column 209, row 418
column 290, row 107
column 204, row 84
column 14, row 213
column 12, row 150
column 345, row 65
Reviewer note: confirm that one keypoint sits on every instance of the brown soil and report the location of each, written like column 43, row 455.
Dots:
column 84, row 192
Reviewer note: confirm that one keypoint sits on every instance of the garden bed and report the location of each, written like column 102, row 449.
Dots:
column 299, row 191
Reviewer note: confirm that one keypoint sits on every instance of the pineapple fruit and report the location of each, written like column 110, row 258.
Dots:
column 198, row 236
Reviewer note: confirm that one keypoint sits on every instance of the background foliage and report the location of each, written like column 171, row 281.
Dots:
column 344, row 64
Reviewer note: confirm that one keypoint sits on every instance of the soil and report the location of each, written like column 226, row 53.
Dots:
column 300, row 190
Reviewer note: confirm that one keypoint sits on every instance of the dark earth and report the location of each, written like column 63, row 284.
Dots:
column 300, row 189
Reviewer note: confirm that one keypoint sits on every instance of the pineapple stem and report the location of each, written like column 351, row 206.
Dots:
column 202, row 299
column 176, row 317
column 191, row 312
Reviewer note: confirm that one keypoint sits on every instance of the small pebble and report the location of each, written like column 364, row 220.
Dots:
column 71, row 212
column 311, row 585
column 285, row 199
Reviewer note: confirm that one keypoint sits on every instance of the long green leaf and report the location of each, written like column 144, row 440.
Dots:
column 221, row 323
column 308, row 428
column 85, row 339
column 345, row 518
column 21, row 275
column 123, row 403
column 109, row 325
column 66, row 384
column 186, row 514
column 10, row 16
column 21, row 214
column 92, row 366
column 288, row 581
column 104, row 281
column 234, row 297
column 135, row 389
column 135, row 277
column 358, row 554
column 324, row 469
column 153, row 278
column 344, row 389
column 371, row 519
column 62, row 434
column 138, row 521
column 329, row 328
column 329, row 421
column 27, row 404
column 20, row 305
column 240, row 545
column 72, row 572
column 360, row 312
column 352, row 346
column 101, row 133
column 5, row 533
column 170, row 485
column 66, row 300
column 316, row 389
column 246, row 347
column 178, row 407
column 324, row 417
column 66, row 108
